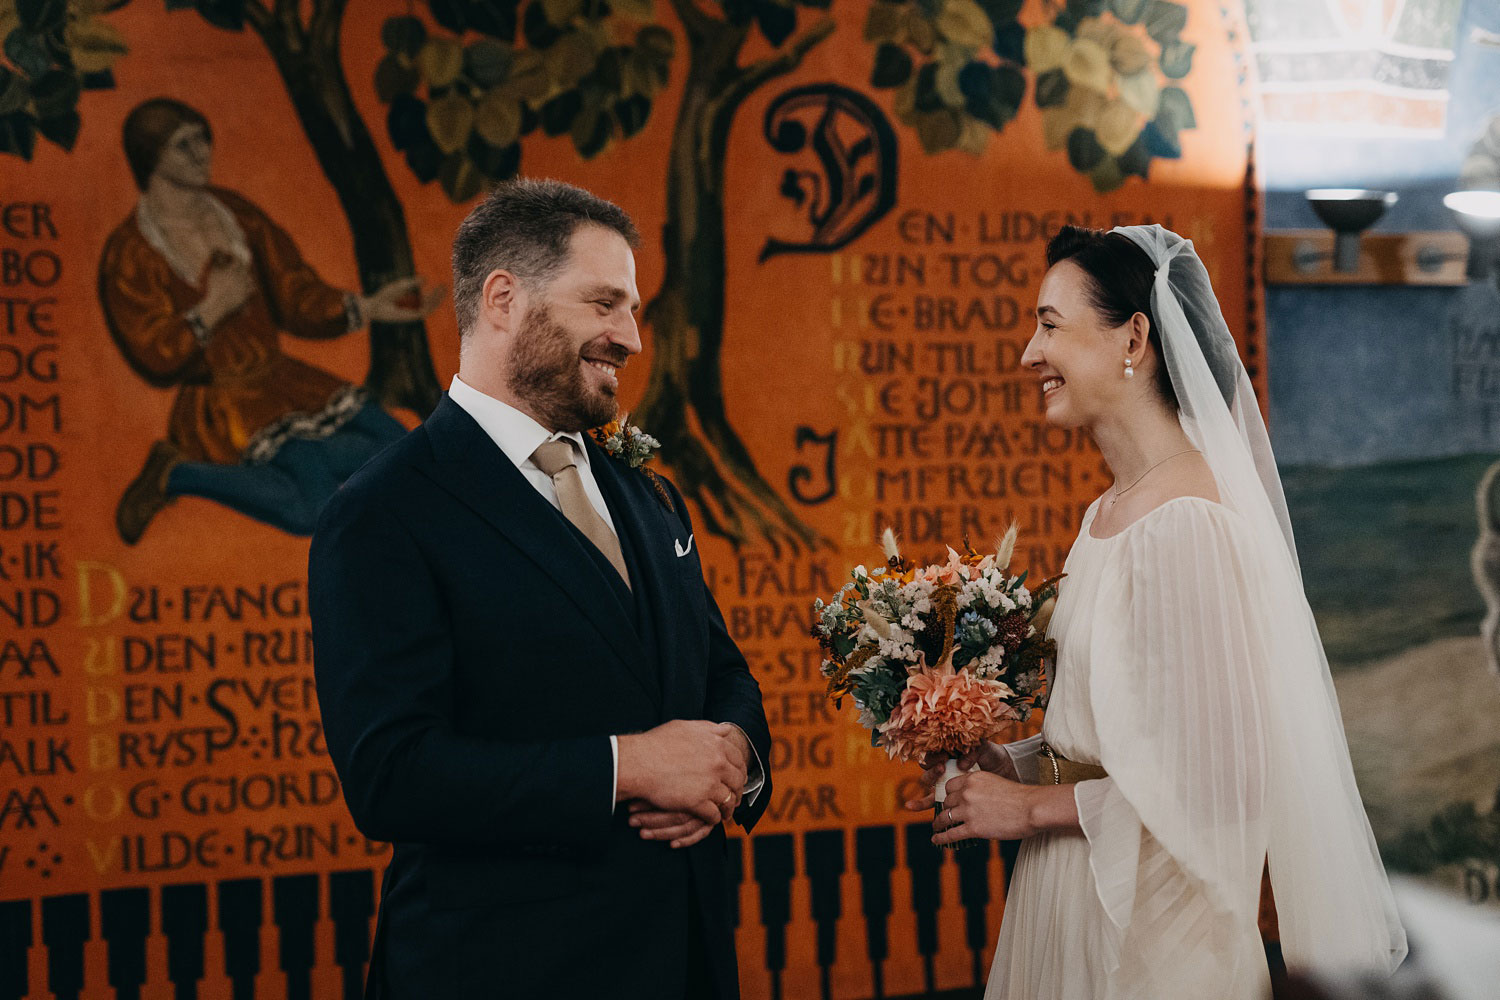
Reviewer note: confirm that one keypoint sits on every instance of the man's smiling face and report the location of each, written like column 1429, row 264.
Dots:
column 577, row 334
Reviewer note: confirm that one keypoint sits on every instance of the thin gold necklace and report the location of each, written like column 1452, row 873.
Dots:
column 1119, row 492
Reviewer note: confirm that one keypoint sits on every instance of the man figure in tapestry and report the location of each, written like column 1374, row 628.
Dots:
column 197, row 285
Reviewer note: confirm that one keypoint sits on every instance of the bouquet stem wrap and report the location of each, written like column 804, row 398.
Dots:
column 951, row 770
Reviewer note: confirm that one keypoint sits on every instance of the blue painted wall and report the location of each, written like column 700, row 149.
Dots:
column 1366, row 375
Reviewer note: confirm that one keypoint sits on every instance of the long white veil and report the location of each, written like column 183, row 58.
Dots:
column 1333, row 901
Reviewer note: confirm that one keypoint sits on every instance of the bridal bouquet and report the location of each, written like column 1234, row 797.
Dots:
column 937, row 657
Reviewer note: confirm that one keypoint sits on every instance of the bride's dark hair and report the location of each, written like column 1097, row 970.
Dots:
column 1120, row 279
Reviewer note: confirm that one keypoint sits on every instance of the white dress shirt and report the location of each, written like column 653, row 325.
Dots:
column 518, row 436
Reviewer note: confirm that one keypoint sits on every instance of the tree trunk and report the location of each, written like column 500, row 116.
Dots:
column 684, row 401
column 311, row 65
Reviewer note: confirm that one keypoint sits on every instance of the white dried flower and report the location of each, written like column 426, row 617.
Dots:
column 888, row 543
column 1006, row 547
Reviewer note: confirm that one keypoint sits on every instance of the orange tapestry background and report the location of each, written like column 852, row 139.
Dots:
column 837, row 353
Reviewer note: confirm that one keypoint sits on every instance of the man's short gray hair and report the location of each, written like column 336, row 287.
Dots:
column 525, row 227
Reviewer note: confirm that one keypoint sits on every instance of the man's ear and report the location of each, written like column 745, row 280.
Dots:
column 501, row 299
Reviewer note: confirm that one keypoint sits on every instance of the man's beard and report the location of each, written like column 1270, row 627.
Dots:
column 546, row 373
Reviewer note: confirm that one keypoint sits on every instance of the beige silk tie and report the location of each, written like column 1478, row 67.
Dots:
column 558, row 460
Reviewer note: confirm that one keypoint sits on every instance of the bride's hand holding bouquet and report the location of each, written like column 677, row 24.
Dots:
column 989, row 801
column 988, row 757
column 986, row 805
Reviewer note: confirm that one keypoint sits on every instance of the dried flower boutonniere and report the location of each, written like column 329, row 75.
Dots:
column 633, row 446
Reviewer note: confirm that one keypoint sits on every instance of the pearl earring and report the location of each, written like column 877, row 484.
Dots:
column 1129, row 370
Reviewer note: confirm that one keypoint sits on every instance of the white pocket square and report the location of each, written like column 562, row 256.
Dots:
column 683, row 550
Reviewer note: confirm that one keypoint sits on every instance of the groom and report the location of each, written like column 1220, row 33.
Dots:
column 526, row 686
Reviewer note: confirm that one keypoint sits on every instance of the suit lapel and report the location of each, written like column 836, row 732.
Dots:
column 475, row 471
column 653, row 535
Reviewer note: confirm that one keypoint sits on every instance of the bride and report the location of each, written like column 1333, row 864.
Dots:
column 1192, row 735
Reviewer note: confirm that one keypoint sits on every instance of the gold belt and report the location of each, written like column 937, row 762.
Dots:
column 1065, row 771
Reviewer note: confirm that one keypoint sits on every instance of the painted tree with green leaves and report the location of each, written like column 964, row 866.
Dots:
column 1102, row 72
column 468, row 83
column 464, row 93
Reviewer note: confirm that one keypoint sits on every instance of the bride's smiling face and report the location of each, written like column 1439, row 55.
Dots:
column 1078, row 359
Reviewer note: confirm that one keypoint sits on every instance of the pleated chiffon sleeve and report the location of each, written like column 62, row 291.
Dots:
column 1178, row 831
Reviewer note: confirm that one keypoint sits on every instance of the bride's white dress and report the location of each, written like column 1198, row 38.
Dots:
column 1157, row 897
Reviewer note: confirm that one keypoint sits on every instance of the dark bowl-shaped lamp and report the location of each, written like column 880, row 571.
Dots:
column 1348, row 212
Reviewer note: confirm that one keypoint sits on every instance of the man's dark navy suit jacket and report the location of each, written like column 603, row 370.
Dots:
column 473, row 654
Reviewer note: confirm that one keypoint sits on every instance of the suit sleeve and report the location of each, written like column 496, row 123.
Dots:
column 151, row 332
column 384, row 667
column 304, row 303
column 733, row 693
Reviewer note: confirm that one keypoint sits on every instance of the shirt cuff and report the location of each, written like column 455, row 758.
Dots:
column 614, row 781
column 755, row 774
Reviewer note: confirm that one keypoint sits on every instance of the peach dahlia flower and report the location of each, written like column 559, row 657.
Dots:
column 944, row 710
